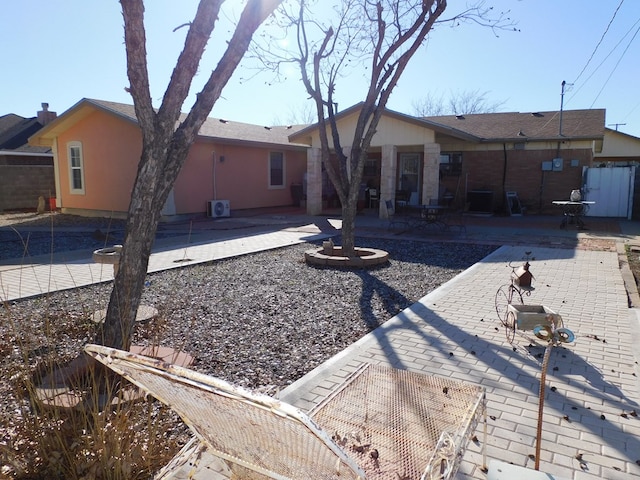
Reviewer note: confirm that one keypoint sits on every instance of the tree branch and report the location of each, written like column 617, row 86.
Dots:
column 135, row 39
column 188, row 61
column 252, row 16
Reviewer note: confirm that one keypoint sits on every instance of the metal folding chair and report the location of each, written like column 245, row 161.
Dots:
column 393, row 423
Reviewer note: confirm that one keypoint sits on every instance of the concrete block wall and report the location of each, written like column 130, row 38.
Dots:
column 21, row 185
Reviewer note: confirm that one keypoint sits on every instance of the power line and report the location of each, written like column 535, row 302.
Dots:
column 616, row 66
column 601, row 39
column 605, row 58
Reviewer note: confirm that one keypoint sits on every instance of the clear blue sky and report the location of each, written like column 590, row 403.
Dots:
column 61, row 51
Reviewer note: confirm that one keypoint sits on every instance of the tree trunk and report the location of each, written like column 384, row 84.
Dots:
column 165, row 147
column 142, row 223
column 349, row 211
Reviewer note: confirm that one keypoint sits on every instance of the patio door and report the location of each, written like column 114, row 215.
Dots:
column 409, row 176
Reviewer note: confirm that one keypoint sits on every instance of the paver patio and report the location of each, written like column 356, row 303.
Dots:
column 455, row 332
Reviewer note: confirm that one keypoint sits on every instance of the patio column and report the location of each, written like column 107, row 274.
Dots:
column 314, row 181
column 388, row 172
column 431, row 172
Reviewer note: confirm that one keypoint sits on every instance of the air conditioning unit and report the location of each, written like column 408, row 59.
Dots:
column 219, row 208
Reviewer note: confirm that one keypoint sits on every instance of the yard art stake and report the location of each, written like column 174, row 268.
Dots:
column 553, row 336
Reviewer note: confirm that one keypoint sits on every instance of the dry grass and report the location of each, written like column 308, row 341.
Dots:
column 633, row 257
column 42, row 439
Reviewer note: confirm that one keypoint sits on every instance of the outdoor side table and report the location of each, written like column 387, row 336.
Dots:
column 572, row 211
column 399, row 424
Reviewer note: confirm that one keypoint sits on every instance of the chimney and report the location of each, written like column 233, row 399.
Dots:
column 45, row 116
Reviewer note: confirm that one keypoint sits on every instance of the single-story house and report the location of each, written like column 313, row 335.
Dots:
column 26, row 172
column 469, row 161
column 97, row 147
column 472, row 161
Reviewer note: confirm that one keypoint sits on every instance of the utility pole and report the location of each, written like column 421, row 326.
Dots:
column 561, row 107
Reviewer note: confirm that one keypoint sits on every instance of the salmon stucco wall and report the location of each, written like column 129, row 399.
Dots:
column 111, row 149
column 238, row 173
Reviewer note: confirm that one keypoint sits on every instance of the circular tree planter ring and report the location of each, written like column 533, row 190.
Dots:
column 144, row 313
column 56, row 390
column 363, row 258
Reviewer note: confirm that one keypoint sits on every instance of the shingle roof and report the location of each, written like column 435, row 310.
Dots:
column 15, row 132
column 9, row 121
column 499, row 127
column 484, row 127
column 218, row 129
column 584, row 124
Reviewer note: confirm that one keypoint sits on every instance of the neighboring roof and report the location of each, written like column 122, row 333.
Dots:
column 611, row 131
column 15, row 132
column 576, row 124
column 9, row 121
column 213, row 128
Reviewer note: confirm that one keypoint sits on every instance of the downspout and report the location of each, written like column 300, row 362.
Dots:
column 541, row 190
column 504, row 177
column 213, row 155
column 56, row 173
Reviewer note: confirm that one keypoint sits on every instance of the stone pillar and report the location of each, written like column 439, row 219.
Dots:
column 314, row 181
column 431, row 172
column 388, row 181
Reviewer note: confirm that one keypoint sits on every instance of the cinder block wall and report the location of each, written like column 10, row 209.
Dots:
column 21, row 185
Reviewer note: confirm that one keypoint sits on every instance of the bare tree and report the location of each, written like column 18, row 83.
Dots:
column 458, row 103
column 379, row 38
column 300, row 115
column 166, row 139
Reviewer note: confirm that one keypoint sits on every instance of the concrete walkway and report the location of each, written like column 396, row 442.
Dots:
column 43, row 274
column 454, row 331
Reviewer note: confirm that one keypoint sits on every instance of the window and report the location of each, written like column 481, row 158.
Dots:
column 76, row 168
column 276, row 170
column 450, row 164
column 371, row 167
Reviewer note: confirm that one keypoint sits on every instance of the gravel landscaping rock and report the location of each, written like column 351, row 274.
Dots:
column 261, row 320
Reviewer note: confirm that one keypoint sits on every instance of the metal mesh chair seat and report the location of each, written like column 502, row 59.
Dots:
column 384, row 423
column 270, row 439
column 401, row 424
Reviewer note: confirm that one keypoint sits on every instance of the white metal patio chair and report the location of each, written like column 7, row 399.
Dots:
column 385, row 423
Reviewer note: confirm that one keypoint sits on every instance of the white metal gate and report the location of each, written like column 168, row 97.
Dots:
column 611, row 189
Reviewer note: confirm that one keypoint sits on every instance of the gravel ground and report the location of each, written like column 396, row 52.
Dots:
column 261, row 320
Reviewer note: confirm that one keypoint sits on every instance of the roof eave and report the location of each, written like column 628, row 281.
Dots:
column 555, row 138
column 255, row 143
column 26, row 154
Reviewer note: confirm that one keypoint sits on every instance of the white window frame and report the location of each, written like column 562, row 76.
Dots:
column 284, row 170
column 71, row 146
